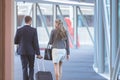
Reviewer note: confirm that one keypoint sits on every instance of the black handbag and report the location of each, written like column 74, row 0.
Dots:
column 48, row 53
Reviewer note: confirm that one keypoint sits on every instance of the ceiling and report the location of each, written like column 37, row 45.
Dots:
column 66, row 2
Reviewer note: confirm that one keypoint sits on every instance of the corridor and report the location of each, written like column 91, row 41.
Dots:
column 79, row 67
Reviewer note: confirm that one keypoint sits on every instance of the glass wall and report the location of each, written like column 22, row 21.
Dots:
column 26, row 9
column 108, row 9
column 107, row 6
column 102, row 34
column 22, row 10
column 119, row 19
column 110, row 20
column 43, row 19
column 119, row 29
column 46, row 13
column 88, row 14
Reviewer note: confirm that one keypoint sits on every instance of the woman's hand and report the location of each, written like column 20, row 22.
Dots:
column 68, row 57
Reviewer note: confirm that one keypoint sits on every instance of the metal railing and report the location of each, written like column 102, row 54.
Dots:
column 86, row 24
column 43, row 19
column 116, row 67
column 107, row 34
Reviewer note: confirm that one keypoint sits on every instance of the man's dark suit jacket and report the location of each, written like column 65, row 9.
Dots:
column 27, row 40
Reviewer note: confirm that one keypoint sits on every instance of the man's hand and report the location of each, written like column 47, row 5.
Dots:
column 39, row 57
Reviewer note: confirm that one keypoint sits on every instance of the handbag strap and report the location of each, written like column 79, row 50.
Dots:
column 48, row 45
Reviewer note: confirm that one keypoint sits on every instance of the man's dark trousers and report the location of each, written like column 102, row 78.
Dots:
column 28, row 61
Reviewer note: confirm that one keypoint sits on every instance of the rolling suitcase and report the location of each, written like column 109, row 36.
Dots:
column 43, row 75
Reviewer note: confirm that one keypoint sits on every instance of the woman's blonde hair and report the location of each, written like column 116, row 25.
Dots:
column 61, row 29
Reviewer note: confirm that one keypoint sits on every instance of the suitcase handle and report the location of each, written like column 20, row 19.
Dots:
column 43, row 64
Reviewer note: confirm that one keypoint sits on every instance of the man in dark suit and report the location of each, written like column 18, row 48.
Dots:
column 27, row 41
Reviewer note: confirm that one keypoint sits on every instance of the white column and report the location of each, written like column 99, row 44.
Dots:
column 54, row 13
column 114, row 16
column 96, row 33
column 34, row 16
column 75, row 26
column 101, row 65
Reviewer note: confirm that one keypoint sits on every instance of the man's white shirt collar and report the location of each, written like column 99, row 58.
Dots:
column 27, row 24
